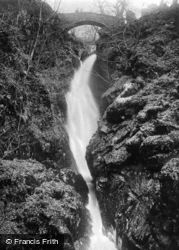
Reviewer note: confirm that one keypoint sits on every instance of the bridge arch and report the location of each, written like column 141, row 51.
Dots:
column 76, row 19
column 86, row 22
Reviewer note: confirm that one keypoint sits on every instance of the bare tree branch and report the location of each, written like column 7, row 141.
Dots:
column 36, row 40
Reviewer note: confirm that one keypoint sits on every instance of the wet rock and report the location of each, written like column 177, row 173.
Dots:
column 124, row 108
column 130, row 89
column 75, row 180
column 150, row 111
column 133, row 144
column 99, row 80
column 123, row 87
column 36, row 200
column 156, row 144
column 109, row 96
column 174, row 135
column 170, row 182
column 117, row 157
column 133, row 157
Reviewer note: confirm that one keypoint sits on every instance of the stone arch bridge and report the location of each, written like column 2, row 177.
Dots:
column 75, row 19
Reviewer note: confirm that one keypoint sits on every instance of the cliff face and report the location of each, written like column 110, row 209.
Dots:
column 41, row 191
column 133, row 156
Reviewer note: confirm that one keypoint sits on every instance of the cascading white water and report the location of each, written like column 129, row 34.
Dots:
column 83, row 115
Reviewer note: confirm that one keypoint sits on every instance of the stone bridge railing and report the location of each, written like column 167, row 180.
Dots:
column 73, row 20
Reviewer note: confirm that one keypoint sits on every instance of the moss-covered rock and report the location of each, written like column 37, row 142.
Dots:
column 41, row 191
column 35, row 200
column 133, row 156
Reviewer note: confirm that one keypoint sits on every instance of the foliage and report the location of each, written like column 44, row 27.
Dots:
column 117, row 8
column 35, row 35
column 31, row 43
column 120, row 43
column 130, row 48
column 36, row 63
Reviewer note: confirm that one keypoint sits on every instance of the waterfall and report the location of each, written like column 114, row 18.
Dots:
column 83, row 115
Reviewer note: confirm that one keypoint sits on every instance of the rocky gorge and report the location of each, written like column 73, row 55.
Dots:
column 133, row 156
column 41, row 190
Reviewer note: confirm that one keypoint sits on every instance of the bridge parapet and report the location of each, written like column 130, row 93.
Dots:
column 83, row 18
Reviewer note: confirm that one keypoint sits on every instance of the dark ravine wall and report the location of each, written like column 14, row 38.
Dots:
column 41, row 191
column 99, row 79
column 133, row 156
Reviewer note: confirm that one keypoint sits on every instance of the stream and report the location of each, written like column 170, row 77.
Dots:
column 83, row 115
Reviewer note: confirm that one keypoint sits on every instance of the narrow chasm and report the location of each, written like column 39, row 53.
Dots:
column 116, row 187
column 82, row 117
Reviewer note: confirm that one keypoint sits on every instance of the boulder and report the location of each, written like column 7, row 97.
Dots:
column 36, row 200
